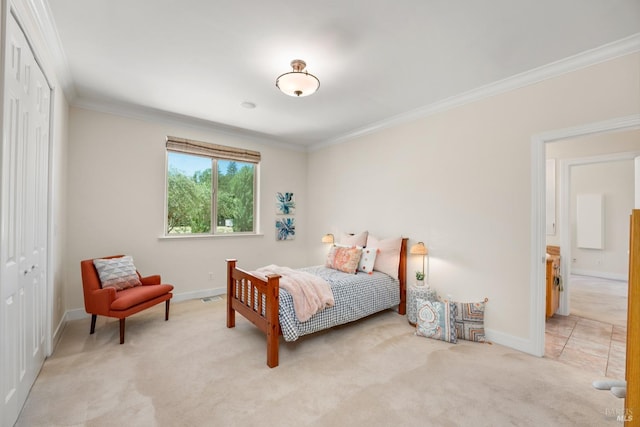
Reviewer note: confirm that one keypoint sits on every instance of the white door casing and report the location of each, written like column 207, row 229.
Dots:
column 23, row 221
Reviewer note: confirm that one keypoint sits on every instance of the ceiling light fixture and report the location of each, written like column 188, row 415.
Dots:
column 298, row 82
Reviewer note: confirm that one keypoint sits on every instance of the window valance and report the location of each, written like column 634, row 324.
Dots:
column 199, row 148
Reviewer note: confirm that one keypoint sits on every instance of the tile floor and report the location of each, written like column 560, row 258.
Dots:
column 593, row 343
column 589, row 344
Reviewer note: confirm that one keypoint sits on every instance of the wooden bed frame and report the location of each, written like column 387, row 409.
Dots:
column 258, row 290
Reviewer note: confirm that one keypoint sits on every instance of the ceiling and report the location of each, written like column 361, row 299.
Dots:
column 376, row 59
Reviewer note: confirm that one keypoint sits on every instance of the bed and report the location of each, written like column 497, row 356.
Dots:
column 261, row 300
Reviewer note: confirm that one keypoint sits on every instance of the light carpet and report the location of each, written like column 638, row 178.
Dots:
column 193, row 371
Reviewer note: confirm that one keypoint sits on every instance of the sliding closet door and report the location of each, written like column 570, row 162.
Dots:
column 23, row 221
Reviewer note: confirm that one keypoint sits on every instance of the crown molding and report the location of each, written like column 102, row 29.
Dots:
column 175, row 119
column 622, row 47
column 46, row 25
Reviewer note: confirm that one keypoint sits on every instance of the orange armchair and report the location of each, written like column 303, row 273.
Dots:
column 120, row 304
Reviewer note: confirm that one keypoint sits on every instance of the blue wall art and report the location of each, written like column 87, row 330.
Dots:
column 285, row 204
column 285, row 228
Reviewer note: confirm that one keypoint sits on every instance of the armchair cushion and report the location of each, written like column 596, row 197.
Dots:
column 128, row 298
column 119, row 273
column 151, row 280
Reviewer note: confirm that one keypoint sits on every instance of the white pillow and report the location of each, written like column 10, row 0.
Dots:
column 388, row 256
column 119, row 273
column 367, row 260
column 359, row 240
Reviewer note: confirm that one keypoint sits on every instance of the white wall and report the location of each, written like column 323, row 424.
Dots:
column 116, row 199
column 615, row 181
column 461, row 182
column 637, row 183
column 58, row 189
column 587, row 147
column 598, row 148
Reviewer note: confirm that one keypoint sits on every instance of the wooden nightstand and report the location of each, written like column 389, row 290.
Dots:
column 413, row 293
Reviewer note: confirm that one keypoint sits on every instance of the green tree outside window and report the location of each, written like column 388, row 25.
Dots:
column 191, row 189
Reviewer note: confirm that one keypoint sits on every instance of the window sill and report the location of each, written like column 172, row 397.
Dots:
column 210, row 236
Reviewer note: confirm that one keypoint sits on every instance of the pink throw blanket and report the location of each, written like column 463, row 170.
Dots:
column 310, row 293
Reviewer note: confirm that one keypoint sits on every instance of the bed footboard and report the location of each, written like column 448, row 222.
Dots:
column 258, row 301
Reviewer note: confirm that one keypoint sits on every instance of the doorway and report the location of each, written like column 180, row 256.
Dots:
column 580, row 175
column 593, row 335
column 538, row 227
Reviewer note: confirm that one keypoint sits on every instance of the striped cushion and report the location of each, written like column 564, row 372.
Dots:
column 470, row 321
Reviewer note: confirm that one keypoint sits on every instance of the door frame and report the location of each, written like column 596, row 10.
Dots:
column 537, row 285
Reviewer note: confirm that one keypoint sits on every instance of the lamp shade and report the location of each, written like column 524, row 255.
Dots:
column 327, row 238
column 298, row 82
column 419, row 249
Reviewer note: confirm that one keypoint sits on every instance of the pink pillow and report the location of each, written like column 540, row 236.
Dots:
column 355, row 240
column 344, row 259
column 388, row 257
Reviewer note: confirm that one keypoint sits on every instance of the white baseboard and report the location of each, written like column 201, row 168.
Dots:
column 203, row 293
column 79, row 313
column 496, row 337
column 600, row 274
column 75, row 314
column 57, row 334
column 516, row 343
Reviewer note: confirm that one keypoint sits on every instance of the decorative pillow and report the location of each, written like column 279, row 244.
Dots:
column 436, row 320
column 388, row 257
column 354, row 240
column 367, row 260
column 119, row 273
column 344, row 259
column 470, row 320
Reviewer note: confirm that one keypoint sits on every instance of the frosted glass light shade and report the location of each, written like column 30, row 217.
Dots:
column 298, row 82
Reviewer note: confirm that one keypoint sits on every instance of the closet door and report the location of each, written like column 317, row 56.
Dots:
column 23, row 221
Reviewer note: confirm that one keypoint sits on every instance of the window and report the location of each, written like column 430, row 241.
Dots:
column 210, row 184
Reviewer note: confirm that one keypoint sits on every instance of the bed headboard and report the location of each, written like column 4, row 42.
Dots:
column 402, row 275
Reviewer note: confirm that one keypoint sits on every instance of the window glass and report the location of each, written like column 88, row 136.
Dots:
column 200, row 188
column 235, row 196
